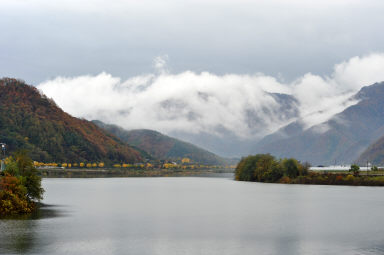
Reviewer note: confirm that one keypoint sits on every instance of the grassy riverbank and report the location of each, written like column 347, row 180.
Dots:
column 343, row 172
column 336, row 179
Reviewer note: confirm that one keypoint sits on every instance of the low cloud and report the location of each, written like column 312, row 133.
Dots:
column 245, row 105
column 322, row 97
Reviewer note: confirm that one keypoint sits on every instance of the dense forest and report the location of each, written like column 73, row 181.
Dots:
column 29, row 120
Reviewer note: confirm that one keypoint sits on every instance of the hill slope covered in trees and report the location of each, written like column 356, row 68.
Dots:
column 29, row 120
column 161, row 146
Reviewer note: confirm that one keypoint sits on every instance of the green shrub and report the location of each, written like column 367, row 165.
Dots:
column 355, row 169
column 265, row 168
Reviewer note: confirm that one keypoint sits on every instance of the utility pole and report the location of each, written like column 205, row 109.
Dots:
column 2, row 161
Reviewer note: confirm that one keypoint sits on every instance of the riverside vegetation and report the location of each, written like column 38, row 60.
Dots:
column 20, row 186
column 266, row 168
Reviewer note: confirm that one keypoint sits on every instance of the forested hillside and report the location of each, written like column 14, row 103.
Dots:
column 161, row 146
column 29, row 120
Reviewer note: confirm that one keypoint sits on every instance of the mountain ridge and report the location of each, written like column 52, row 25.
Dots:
column 162, row 146
column 338, row 140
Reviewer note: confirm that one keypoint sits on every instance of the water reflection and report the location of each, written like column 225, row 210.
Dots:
column 19, row 234
column 216, row 216
column 372, row 250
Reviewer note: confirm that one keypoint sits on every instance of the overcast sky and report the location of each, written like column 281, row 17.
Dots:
column 43, row 39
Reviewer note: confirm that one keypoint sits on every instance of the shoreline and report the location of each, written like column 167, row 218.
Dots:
column 331, row 179
column 110, row 173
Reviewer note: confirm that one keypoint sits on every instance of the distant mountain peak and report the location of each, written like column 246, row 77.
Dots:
column 340, row 139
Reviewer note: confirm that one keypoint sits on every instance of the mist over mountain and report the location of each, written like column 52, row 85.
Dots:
column 226, row 114
column 228, row 143
column 339, row 140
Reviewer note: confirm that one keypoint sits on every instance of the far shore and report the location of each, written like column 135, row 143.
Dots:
column 121, row 172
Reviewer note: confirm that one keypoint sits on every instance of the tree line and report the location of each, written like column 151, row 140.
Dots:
column 266, row 168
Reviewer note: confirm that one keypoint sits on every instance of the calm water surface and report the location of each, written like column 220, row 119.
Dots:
column 198, row 215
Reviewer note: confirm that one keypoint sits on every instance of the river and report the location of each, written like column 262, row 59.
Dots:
column 198, row 215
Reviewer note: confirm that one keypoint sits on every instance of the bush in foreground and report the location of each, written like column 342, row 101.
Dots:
column 20, row 186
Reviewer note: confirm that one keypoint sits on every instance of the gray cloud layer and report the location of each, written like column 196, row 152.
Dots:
column 193, row 102
column 43, row 39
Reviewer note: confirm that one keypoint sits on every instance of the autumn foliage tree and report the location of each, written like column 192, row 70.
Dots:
column 20, row 186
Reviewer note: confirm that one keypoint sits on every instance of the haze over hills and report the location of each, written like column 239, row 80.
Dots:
column 29, row 120
column 227, row 114
column 282, row 108
column 339, row 140
column 374, row 154
column 160, row 146
column 325, row 128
